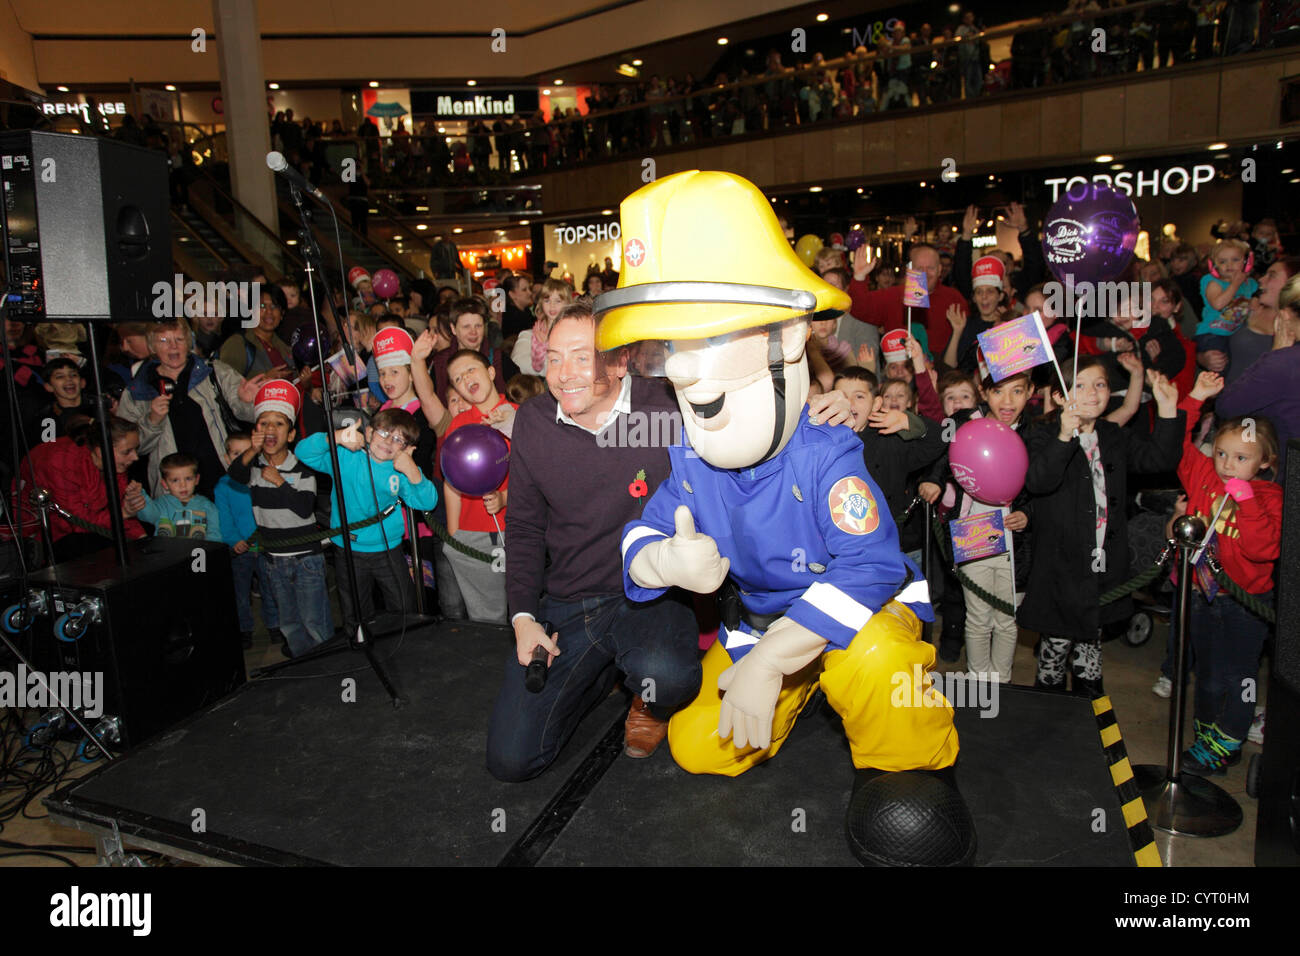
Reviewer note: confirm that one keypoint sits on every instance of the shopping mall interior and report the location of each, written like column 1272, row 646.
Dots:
column 458, row 149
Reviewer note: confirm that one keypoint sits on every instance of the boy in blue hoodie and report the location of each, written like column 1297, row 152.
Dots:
column 235, row 507
column 373, row 480
column 182, row 512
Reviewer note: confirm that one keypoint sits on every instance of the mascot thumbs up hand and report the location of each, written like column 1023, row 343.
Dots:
column 686, row 560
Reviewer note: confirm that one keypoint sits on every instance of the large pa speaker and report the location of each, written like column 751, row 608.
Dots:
column 1277, row 832
column 164, row 634
column 86, row 226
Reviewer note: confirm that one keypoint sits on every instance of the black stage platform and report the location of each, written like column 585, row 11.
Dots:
column 285, row 772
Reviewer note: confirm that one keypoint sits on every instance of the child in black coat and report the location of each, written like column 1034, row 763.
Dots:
column 1078, row 468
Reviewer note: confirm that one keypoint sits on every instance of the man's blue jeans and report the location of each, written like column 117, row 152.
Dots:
column 655, row 644
column 303, row 600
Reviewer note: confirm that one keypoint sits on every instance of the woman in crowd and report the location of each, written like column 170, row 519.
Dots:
column 184, row 404
column 1255, row 337
column 260, row 349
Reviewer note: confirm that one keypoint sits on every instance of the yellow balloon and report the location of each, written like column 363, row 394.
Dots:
column 807, row 247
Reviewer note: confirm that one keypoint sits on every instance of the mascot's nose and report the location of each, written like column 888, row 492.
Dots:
column 683, row 368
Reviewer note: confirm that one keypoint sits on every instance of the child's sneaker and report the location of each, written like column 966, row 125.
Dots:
column 1213, row 753
column 1163, row 687
column 1256, row 733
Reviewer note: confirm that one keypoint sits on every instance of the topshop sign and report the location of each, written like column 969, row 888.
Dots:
column 569, row 235
column 1172, row 181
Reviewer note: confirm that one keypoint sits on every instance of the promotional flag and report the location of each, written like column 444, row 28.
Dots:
column 915, row 294
column 1015, row 346
column 978, row 536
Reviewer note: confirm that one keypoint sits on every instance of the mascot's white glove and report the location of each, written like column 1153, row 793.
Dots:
column 686, row 560
column 751, row 686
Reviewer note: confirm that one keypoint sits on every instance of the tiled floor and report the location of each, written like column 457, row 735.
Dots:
column 1129, row 672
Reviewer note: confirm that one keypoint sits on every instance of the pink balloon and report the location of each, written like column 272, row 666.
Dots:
column 988, row 461
column 385, row 283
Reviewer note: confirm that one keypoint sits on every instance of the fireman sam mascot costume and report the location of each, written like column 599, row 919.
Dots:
column 817, row 591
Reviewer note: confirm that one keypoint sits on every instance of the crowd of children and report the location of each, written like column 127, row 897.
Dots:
column 1090, row 425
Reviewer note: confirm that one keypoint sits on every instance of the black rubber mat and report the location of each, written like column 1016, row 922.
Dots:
column 1034, row 777
column 285, row 770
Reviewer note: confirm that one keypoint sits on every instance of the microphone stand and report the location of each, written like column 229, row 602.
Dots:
column 361, row 638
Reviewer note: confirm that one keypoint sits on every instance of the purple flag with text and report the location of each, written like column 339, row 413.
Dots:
column 1015, row 346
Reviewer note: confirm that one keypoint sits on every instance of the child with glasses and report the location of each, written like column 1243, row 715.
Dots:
column 377, row 471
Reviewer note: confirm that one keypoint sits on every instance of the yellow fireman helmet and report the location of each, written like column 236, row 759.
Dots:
column 704, row 256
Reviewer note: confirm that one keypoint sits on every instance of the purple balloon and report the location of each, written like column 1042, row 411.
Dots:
column 475, row 460
column 1090, row 233
column 989, row 461
column 856, row 239
column 306, row 350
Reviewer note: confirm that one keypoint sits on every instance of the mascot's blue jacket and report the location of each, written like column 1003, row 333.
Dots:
column 805, row 532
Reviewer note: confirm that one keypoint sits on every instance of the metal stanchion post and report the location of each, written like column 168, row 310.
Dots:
column 413, row 536
column 927, row 561
column 1176, row 802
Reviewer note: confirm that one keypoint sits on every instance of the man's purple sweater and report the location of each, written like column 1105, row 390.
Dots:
column 1268, row 388
column 571, row 495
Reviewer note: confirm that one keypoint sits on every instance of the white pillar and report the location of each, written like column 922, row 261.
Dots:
column 243, row 96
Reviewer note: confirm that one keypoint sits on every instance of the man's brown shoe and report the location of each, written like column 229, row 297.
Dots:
column 644, row 731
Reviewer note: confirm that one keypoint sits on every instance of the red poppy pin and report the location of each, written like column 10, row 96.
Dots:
column 638, row 488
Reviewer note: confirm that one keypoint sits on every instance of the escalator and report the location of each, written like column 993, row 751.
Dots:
column 368, row 252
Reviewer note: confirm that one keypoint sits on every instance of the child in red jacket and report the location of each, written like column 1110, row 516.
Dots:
column 1226, row 637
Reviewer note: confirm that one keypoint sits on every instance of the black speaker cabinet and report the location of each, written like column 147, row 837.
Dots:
column 1277, row 832
column 86, row 227
column 167, row 639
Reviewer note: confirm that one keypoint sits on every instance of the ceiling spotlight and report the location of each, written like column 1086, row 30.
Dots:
column 442, row 129
column 546, row 92
column 637, row 62
column 62, row 89
column 374, row 84
column 607, row 212
column 814, row 189
column 923, row 183
column 273, row 86
column 397, row 238
column 859, row 189
column 1116, row 165
column 991, row 177
column 989, row 223
column 1213, row 146
column 1105, row 158
column 170, row 87
column 558, row 82
column 421, row 227
column 1287, row 172
column 523, row 222
column 458, row 230
column 471, row 82
column 722, row 41
column 823, row 17
column 1222, row 155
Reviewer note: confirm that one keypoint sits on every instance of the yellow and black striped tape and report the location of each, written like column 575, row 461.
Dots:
column 1141, row 839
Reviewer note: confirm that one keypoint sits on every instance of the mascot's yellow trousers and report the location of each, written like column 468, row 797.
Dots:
column 879, row 685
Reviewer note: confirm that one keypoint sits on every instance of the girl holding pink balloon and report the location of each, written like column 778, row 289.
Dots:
column 1078, row 471
column 986, row 462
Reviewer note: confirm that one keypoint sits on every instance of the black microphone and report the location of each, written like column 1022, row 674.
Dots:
column 277, row 163
column 535, row 677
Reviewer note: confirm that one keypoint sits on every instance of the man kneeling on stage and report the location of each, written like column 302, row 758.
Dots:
column 571, row 492
column 820, row 593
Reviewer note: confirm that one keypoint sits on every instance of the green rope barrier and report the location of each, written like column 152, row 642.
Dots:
column 256, row 538
column 463, row 548
column 1243, row 597
column 1114, row 594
